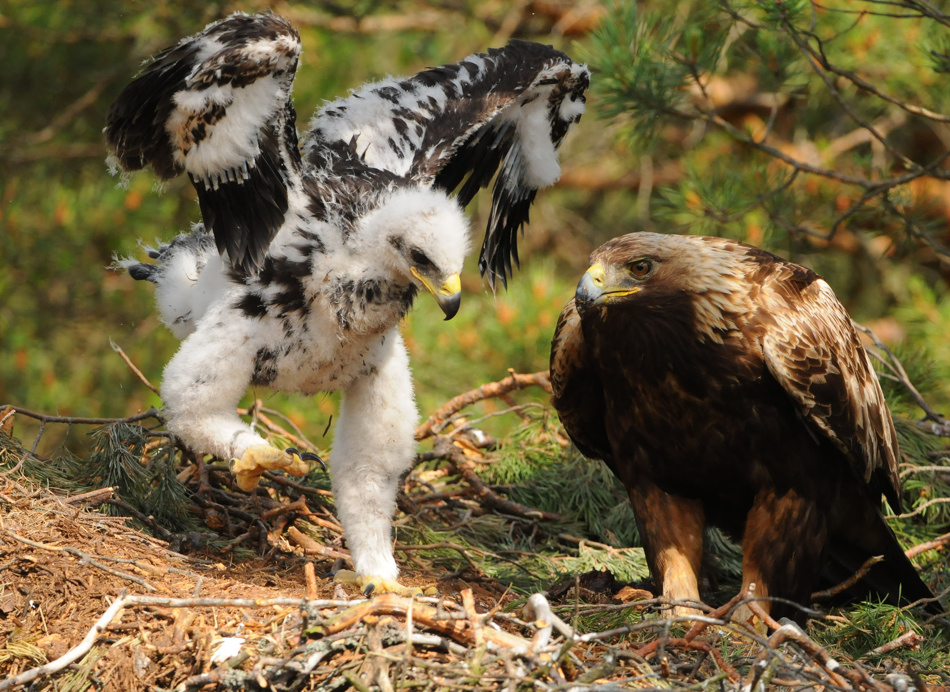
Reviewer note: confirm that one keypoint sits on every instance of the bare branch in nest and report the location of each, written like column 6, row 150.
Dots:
column 93, row 497
column 73, row 654
column 909, row 640
column 513, row 382
column 940, row 425
column 259, row 413
column 79, row 420
column 936, row 544
column 44, row 419
column 311, row 547
column 850, row 581
column 460, row 628
column 444, row 449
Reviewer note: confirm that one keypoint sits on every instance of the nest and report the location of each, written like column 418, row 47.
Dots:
column 233, row 593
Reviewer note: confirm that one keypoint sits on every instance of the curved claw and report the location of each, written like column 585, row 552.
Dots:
column 310, row 456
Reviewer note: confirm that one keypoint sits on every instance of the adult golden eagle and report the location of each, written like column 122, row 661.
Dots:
column 726, row 386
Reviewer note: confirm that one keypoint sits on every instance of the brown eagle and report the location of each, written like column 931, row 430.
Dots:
column 726, row 386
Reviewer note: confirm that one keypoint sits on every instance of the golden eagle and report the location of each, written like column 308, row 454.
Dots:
column 725, row 386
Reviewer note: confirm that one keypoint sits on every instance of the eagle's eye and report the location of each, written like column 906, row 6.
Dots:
column 641, row 267
column 419, row 258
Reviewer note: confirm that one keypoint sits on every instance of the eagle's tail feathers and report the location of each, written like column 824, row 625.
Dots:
column 183, row 288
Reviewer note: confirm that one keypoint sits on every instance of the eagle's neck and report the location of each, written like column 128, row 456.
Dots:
column 669, row 340
column 366, row 297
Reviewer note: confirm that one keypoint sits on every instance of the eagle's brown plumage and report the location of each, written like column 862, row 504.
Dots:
column 726, row 386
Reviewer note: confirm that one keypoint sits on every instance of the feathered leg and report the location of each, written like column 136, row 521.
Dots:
column 201, row 388
column 671, row 529
column 373, row 445
column 782, row 550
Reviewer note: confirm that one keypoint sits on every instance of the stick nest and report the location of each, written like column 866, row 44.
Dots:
column 229, row 591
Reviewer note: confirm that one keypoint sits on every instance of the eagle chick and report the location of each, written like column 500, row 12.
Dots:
column 302, row 269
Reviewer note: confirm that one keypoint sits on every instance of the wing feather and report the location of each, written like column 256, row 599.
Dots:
column 455, row 126
column 813, row 350
column 578, row 395
column 217, row 106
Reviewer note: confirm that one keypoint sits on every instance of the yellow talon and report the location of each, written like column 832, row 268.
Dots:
column 371, row 585
column 260, row 458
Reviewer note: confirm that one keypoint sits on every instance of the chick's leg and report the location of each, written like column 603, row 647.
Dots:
column 373, row 445
column 202, row 386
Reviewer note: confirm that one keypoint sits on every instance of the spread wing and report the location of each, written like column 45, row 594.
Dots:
column 578, row 392
column 217, row 106
column 455, row 126
column 812, row 349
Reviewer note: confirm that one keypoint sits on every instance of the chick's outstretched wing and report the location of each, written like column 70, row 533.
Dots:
column 217, row 106
column 455, row 126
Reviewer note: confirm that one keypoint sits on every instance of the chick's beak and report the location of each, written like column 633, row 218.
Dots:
column 448, row 295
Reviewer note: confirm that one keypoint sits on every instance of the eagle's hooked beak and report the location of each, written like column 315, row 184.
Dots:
column 591, row 286
column 592, row 289
column 448, row 295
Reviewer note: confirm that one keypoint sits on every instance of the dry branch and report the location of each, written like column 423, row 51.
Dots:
column 86, row 559
column 73, row 654
column 459, row 628
column 444, row 448
column 311, row 547
column 512, row 383
column 850, row 581
column 936, row 544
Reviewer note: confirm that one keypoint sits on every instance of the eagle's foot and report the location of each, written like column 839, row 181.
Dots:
column 743, row 615
column 260, row 458
column 371, row 585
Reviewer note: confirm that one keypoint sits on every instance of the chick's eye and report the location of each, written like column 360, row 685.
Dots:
column 641, row 267
column 419, row 258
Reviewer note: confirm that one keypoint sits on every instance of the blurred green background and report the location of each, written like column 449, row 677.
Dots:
column 625, row 168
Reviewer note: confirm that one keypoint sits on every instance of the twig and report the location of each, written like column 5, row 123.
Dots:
column 850, row 581
column 909, row 639
column 927, row 504
column 298, row 505
column 311, row 577
column 935, row 544
column 146, row 520
column 898, row 369
column 138, row 373
column 445, row 449
column 460, row 629
column 445, row 545
column 311, row 547
column 78, row 420
column 73, row 654
column 258, row 411
column 92, row 497
column 513, row 382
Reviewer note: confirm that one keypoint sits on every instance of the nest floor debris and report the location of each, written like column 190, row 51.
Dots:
column 90, row 601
